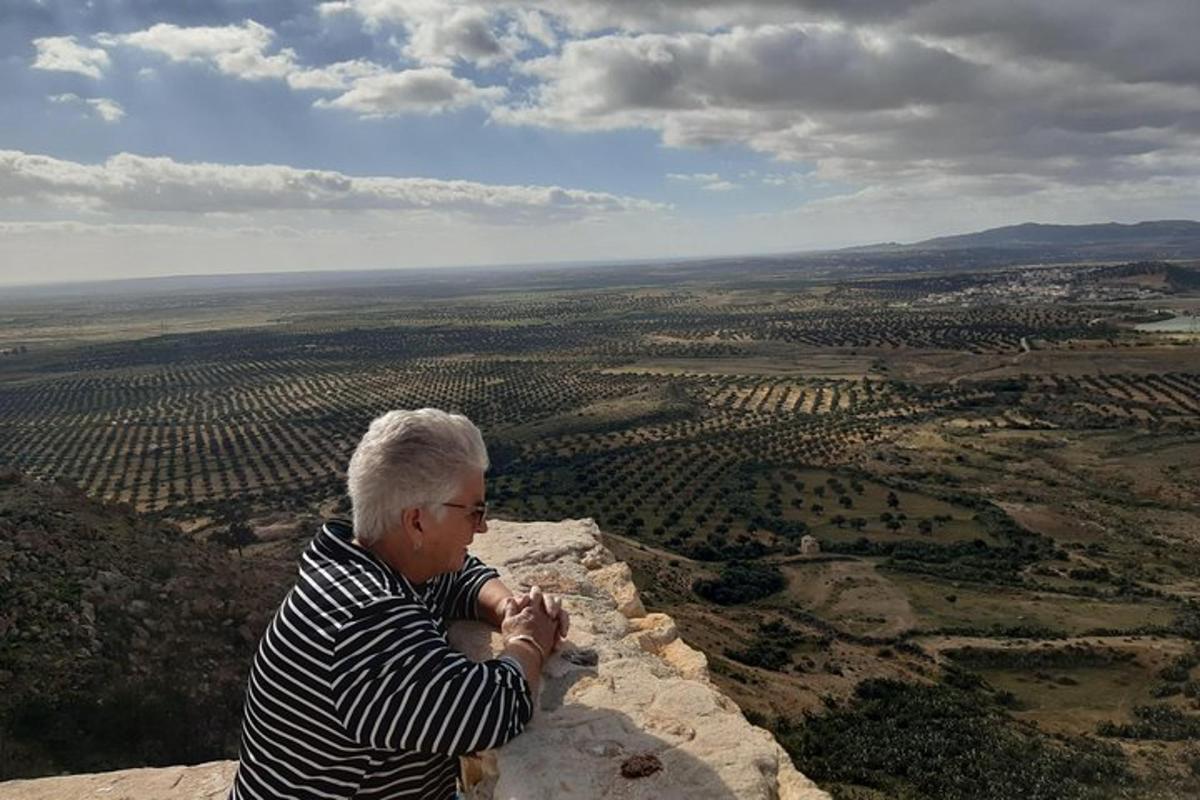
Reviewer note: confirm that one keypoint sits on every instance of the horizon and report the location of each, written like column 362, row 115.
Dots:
column 361, row 272
column 148, row 139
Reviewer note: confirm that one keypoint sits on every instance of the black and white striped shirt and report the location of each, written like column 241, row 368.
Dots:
column 354, row 691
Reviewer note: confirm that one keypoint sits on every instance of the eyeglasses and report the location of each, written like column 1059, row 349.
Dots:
column 478, row 511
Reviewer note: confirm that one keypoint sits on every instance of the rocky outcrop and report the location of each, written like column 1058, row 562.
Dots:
column 200, row 782
column 626, row 708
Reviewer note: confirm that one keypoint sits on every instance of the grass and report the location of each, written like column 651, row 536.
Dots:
column 1000, row 607
column 1075, row 700
column 849, row 594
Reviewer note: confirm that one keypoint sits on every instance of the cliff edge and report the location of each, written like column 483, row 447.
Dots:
column 626, row 708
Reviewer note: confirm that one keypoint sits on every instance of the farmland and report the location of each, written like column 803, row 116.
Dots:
column 1006, row 459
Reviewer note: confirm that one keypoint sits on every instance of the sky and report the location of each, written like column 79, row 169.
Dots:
column 156, row 137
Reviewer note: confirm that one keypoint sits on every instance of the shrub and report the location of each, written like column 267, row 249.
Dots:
column 740, row 582
column 916, row 741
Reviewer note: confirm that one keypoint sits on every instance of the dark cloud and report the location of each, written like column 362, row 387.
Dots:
column 1021, row 93
column 1150, row 40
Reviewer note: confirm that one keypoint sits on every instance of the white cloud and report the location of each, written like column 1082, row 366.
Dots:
column 428, row 90
column 237, row 50
column 708, row 181
column 463, row 33
column 537, row 26
column 338, row 76
column 586, row 17
column 64, row 54
column 102, row 107
column 131, row 183
column 242, row 51
column 334, row 7
column 439, row 33
column 108, row 110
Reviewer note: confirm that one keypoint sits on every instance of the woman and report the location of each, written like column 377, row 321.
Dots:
column 354, row 691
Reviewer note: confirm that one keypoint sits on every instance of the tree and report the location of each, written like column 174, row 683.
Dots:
column 892, row 500
column 237, row 533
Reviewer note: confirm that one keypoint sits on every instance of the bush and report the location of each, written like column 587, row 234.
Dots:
column 915, row 741
column 740, row 582
column 1155, row 722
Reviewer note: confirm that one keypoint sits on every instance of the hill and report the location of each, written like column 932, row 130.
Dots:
column 125, row 641
column 1015, row 245
column 1163, row 233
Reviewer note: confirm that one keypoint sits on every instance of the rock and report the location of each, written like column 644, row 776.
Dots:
column 111, row 579
column 640, row 765
column 617, row 580
column 200, row 782
column 624, row 685
column 656, row 633
column 597, row 557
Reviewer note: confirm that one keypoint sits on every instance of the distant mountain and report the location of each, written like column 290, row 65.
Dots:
column 1017, row 245
column 1161, row 233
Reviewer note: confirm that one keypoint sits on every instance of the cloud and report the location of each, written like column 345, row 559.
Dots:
column 338, row 76
column 442, row 34
column 428, row 90
column 237, row 50
column 131, row 183
column 1152, row 40
column 64, row 54
column 882, row 101
column 334, row 7
column 108, row 110
column 868, row 104
column 465, row 33
column 618, row 81
column 104, row 108
column 243, row 51
column 708, row 181
column 583, row 18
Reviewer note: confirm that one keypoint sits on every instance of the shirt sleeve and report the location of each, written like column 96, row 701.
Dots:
column 462, row 600
column 399, row 686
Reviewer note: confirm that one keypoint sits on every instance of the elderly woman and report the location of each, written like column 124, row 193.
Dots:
column 354, row 691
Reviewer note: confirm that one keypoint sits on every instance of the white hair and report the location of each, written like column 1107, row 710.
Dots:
column 410, row 459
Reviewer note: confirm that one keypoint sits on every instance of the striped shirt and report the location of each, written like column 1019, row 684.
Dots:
column 354, row 691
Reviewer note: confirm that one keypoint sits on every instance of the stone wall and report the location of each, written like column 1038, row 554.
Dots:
column 626, row 708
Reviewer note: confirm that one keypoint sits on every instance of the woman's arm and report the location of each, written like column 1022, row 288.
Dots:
column 492, row 600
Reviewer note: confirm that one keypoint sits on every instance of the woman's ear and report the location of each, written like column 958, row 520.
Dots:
column 412, row 526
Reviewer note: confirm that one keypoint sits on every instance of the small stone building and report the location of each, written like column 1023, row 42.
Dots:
column 809, row 546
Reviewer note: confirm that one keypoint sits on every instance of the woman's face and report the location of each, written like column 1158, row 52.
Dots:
column 446, row 540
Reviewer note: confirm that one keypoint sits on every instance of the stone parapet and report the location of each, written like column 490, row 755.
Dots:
column 626, row 709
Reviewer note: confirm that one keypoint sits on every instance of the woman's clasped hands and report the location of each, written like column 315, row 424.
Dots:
column 538, row 615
